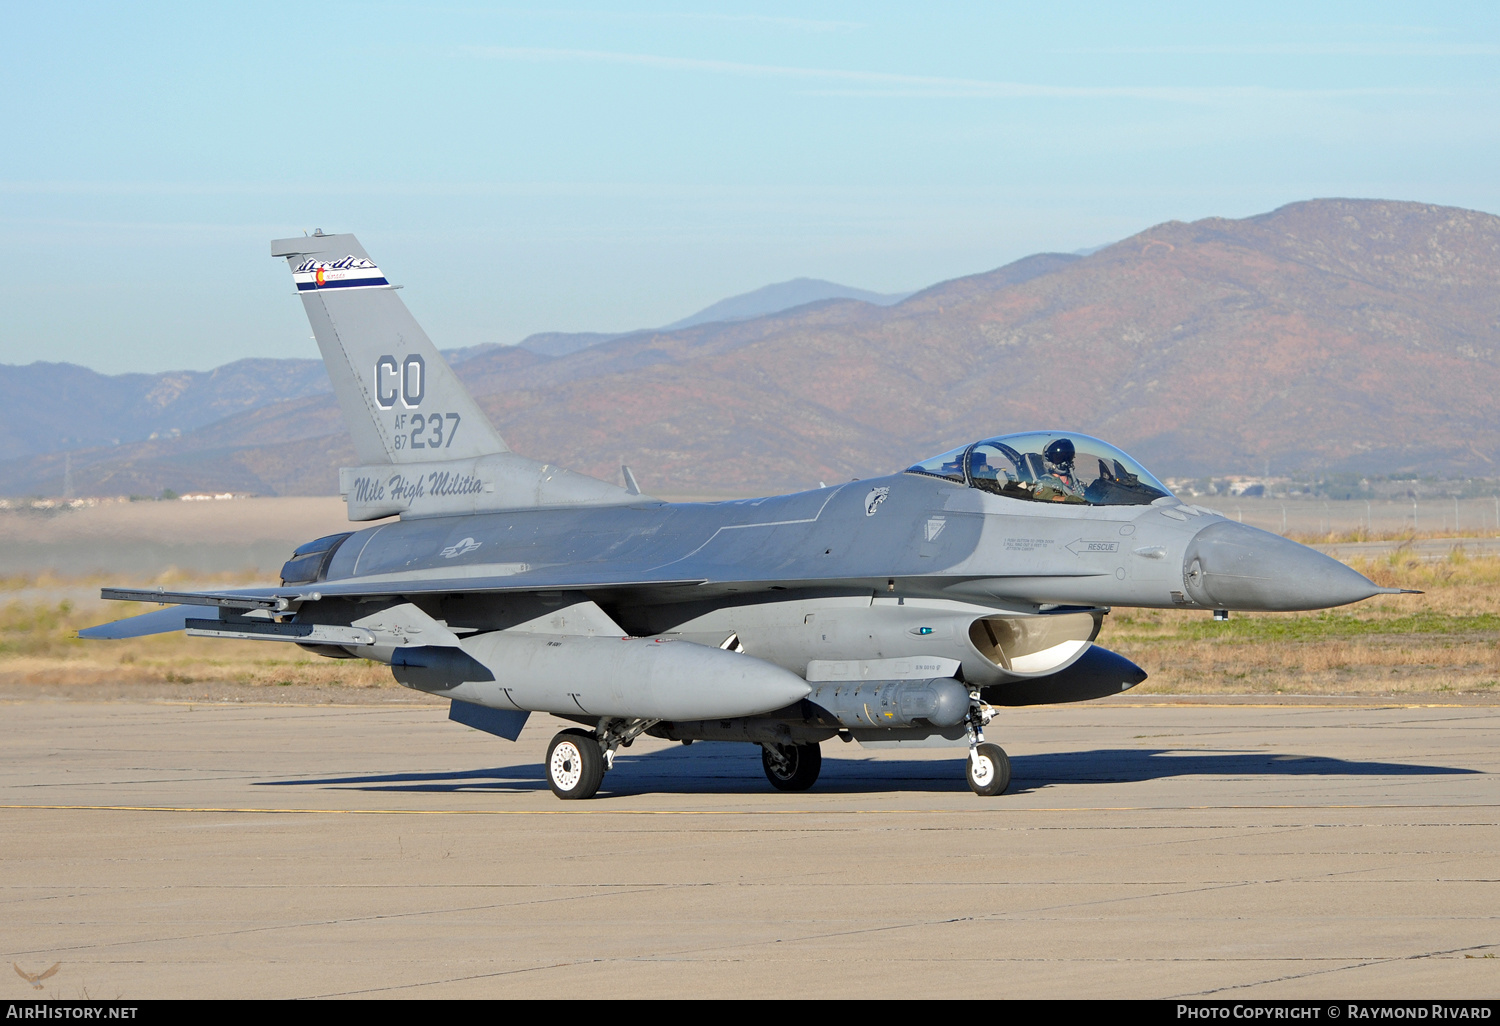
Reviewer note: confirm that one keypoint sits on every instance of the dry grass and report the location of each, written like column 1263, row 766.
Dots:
column 169, row 577
column 1360, row 534
column 1442, row 642
column 39, row 644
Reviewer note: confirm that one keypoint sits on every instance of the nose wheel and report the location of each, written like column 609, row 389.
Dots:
column 791, row 767
column 575, row 764
column 989, row 769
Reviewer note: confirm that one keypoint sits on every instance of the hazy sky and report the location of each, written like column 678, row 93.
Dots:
column 521, row 169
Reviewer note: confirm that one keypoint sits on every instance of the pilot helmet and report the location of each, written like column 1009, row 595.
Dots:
column 1060, row 453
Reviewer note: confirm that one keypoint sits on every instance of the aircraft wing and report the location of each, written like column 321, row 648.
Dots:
column 275, row 599
column 282, row 599
column 478, row 579
column 181, row 604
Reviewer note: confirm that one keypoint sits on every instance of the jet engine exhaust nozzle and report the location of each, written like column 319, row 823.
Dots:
column 1230, row 566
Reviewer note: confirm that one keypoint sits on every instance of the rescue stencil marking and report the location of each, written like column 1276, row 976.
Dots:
column 1080, row 546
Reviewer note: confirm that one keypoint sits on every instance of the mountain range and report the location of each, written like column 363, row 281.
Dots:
column 59, row 406
column 771, row 299
column 1330, row 335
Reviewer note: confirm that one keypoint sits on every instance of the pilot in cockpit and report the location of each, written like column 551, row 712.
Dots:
column 1061, row 478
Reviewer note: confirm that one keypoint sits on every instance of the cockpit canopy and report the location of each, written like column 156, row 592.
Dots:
column 1048, row 466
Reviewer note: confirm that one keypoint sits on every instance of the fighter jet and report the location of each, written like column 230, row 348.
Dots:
column 905, row 609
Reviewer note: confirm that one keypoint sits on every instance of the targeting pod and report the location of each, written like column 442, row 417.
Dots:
column 941, row 702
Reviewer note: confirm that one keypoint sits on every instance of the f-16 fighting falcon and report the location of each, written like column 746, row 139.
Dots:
column 903, row 609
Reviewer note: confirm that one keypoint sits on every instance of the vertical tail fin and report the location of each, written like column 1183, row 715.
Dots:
column 401, row 400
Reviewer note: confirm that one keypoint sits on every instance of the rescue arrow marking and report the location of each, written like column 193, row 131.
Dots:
column 1079, row 547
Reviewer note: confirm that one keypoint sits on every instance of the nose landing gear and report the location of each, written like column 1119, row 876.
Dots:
column 988, row 765
column 989, row 769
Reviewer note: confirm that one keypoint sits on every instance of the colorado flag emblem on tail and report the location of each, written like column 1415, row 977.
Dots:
column 351, row 272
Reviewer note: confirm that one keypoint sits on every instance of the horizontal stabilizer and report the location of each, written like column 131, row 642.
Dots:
column 158, row 621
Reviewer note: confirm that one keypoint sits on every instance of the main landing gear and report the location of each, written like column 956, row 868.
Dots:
column 575, row 764
column 791, row 767
column 577, row 759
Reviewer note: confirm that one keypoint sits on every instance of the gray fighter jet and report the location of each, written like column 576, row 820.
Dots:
column 900, row 610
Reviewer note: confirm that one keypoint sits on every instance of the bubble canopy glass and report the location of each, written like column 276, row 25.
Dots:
column 1048, row 466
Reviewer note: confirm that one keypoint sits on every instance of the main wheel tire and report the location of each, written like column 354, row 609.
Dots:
column 988, row 770
column 796, row 770
column 575, row 765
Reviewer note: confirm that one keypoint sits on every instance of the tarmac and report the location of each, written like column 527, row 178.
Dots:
column 1147, row 849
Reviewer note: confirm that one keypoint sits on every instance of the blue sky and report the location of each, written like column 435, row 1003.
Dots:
column 523, row 168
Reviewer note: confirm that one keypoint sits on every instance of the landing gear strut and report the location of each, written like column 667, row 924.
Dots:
column 988, row 765
column 791, row 767
column 615, row 732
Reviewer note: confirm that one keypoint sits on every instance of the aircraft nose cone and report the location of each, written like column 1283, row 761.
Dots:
column 1231, row 566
